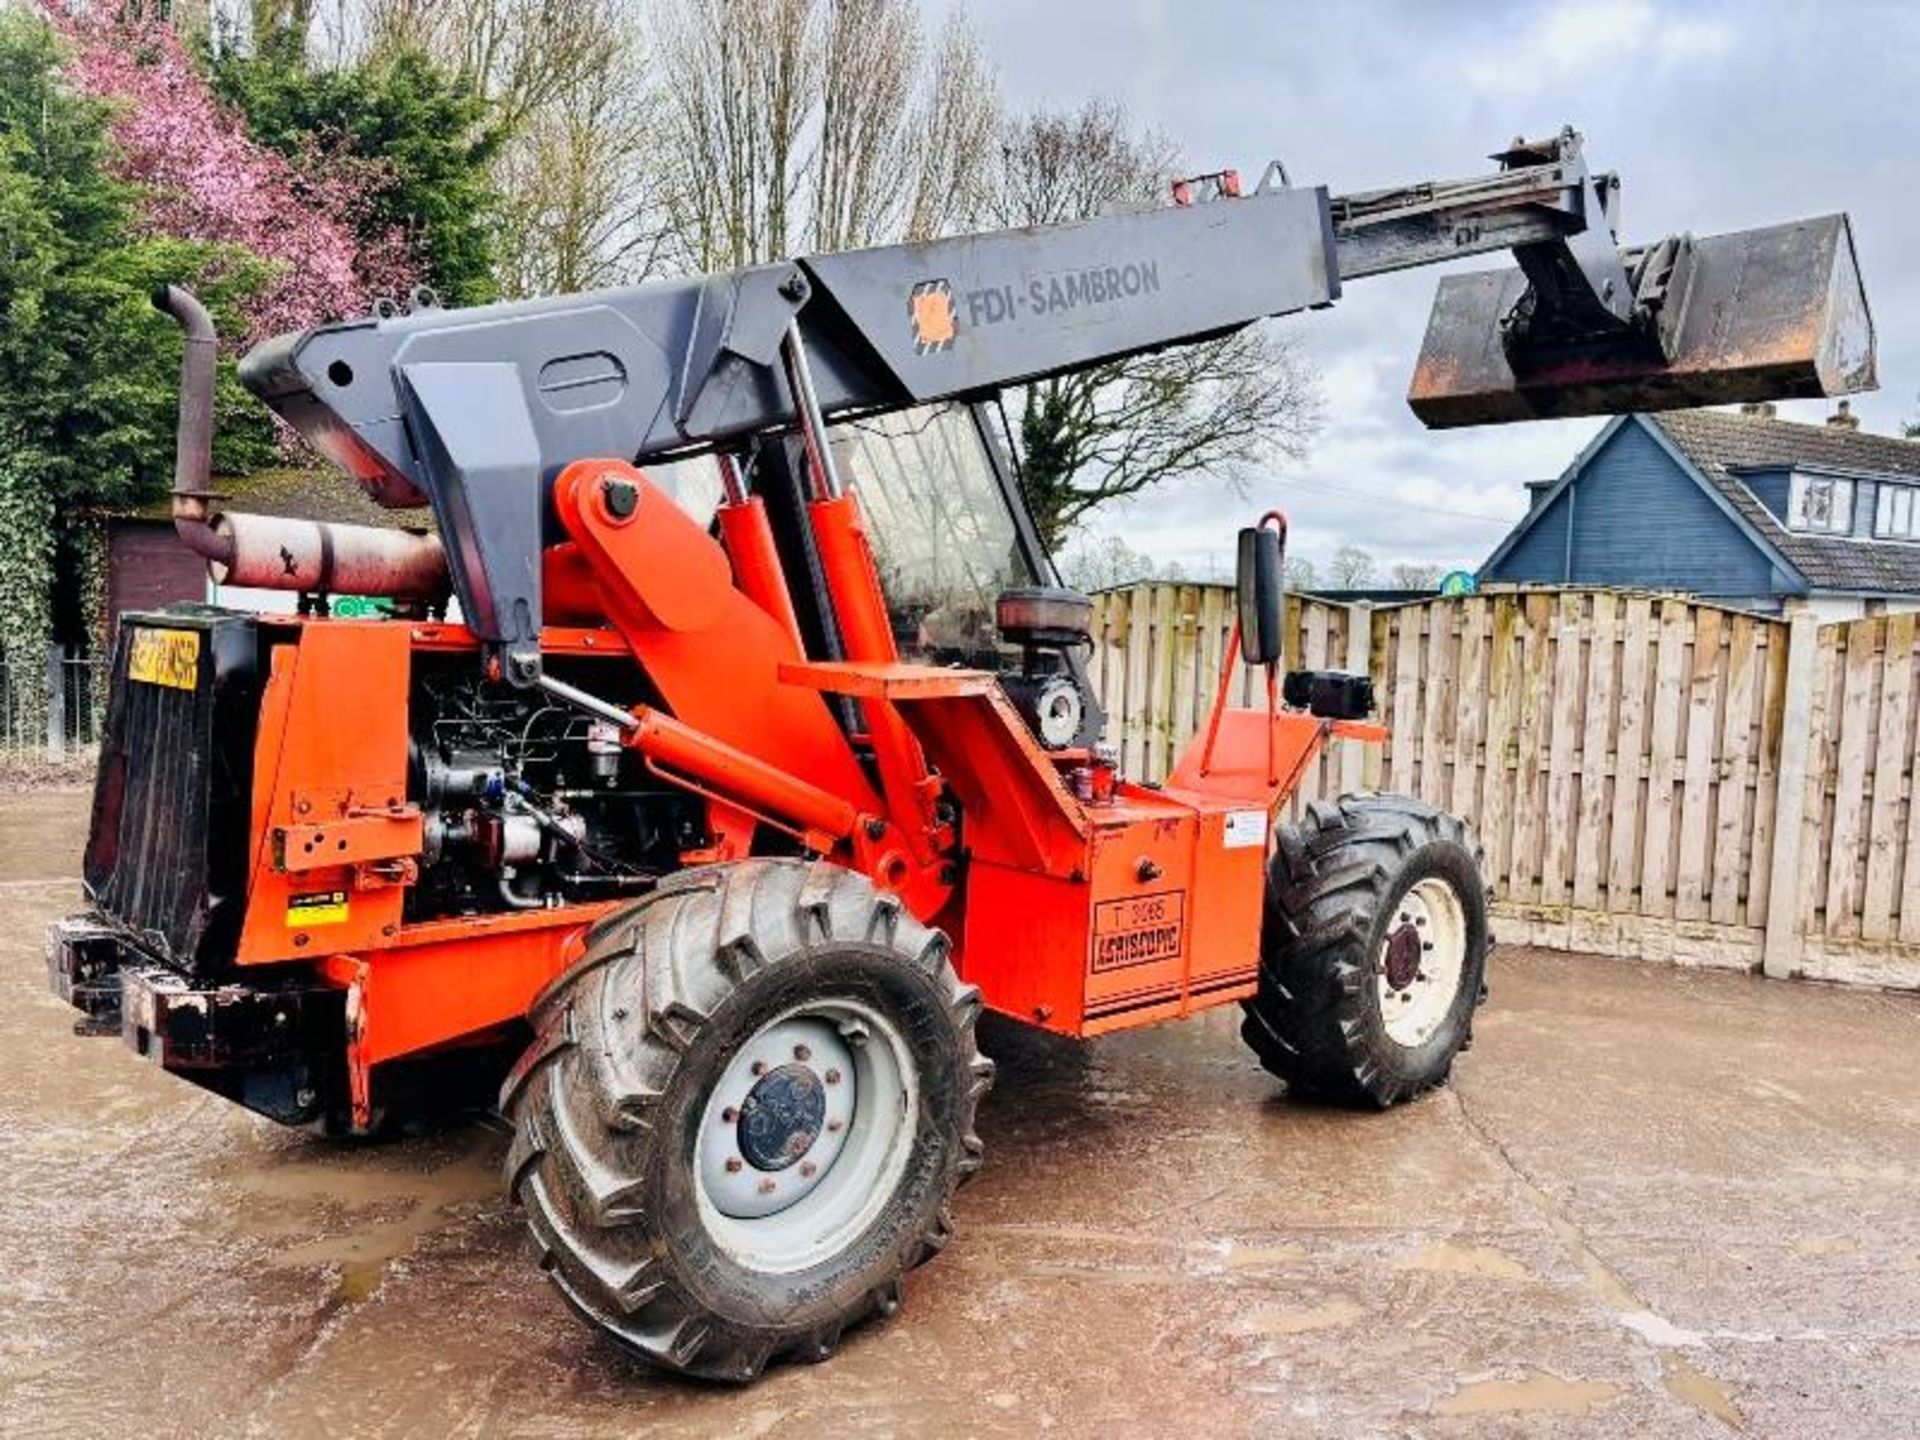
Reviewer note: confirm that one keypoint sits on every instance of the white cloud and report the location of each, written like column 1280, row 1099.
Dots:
column 1595, row 41
column 1718, row 114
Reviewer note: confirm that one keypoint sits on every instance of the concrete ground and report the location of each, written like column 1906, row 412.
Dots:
column 1654, row 1202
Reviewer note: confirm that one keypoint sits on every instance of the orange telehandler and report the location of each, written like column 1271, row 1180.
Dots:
column 760, row 752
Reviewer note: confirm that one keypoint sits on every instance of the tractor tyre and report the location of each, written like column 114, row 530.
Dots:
column 744, row 1114
column 1372, row 951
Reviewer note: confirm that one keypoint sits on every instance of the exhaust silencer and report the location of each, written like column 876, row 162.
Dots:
column 1772, row 314
column 270, row 552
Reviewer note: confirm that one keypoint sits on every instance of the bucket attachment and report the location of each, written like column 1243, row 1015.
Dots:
column 1770, row 314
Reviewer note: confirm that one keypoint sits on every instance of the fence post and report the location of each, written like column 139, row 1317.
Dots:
column 1787, row 889
column 1353, row 755
column 56, row 701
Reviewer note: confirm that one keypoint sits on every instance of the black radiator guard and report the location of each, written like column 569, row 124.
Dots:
column 166, row 857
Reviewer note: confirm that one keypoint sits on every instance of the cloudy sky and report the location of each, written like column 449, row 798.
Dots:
column 1716, row 116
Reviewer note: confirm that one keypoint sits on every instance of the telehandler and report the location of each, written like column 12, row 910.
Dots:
column 760, row 753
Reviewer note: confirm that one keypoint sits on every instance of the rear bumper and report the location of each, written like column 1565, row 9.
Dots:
column 276, row 1045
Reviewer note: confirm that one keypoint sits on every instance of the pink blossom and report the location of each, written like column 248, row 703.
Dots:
column 202, row 178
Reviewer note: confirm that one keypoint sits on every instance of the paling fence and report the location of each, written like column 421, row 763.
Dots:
column 52, row 701
column 1650, row 776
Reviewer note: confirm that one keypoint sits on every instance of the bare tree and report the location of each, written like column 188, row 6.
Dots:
column 1104, row 564
column 1415, row 575
column 522, row 55
column 869, row 64
column 816, row 124
column 1300, row 573
column 955, row 128
column 1352, row 568
column 1218, row 409
column 568, row 90
column 584, row 200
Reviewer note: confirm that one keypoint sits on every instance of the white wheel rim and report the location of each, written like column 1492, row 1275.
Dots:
column 805, row 1135
column 1417, row 987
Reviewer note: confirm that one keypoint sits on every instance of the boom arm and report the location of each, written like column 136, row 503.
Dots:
column 476, row 411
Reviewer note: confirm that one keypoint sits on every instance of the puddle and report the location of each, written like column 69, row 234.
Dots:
column 1329, row 1316
column 367, row 1214
column 1657, row 1330
column 1600, row 1280
column 1538, row 1394
column 1816, row 1245
column 1444, row 1257
column 1701, row 1391
column 1246, row 1257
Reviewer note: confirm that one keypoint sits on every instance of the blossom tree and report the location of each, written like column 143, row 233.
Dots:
column 201, row 178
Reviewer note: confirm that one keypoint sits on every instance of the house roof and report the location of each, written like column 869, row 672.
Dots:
column 325, row 495
column 1717, row 443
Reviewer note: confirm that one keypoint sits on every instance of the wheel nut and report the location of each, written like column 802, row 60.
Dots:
column 733, row 1164
column 801, row 1052
column 833, row 1077
column 808, row 1169
column 766, row 1187
column 834, row 1127
column 730, row 1116
column 1426, row 944
column 759, row 1067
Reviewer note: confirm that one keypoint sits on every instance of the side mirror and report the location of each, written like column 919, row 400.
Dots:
column 1261, row 596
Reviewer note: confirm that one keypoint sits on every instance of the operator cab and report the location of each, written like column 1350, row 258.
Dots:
column 966, row 580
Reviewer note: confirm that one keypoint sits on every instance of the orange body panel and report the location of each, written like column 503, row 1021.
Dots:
column 1085, row 918
column 1077, row 915
column 328, row 756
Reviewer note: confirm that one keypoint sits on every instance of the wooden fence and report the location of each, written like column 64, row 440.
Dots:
column 1650, row 776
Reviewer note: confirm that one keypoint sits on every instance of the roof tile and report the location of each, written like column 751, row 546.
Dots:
column 1719, row 441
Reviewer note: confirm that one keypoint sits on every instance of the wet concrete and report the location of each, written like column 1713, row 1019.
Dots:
column 1654, row 1202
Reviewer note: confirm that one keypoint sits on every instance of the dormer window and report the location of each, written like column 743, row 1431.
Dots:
column 1822, row 504
column 1897, row 516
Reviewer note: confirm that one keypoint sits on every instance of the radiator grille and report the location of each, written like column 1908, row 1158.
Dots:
column 166, row 853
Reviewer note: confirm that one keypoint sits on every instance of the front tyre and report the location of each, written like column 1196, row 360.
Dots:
column 745, row 1113
column 1373, row 950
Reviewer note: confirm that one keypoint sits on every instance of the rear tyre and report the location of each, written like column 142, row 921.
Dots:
column 1373, row 950
column 744, row 1115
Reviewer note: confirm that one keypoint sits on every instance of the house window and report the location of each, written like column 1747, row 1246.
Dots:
column 1821, row 503
column 1898, row 517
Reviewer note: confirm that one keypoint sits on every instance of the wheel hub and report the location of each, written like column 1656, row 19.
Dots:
column 1402, row 963
column 1421, row 961
column 781, row 1117
column 808, row 1112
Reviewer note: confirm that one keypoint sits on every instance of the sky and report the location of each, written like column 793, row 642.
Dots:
column 1717, row 116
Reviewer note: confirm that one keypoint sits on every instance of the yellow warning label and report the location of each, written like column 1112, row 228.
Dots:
column 322, row 907
column 165, row 657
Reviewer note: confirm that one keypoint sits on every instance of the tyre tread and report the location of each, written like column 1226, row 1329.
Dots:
column 577, row 1098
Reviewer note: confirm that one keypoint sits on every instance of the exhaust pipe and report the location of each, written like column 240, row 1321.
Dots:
column 268, row 552
column 193, row 444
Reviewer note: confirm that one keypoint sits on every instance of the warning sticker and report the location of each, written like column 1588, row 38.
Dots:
column 1138, row 930
column 164, row 657
column 1244, row 828
column 322, row 907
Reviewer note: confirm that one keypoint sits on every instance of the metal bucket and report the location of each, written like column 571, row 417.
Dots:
column 1771, row 314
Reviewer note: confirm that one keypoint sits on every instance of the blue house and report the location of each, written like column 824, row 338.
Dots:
column 1736, row 507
